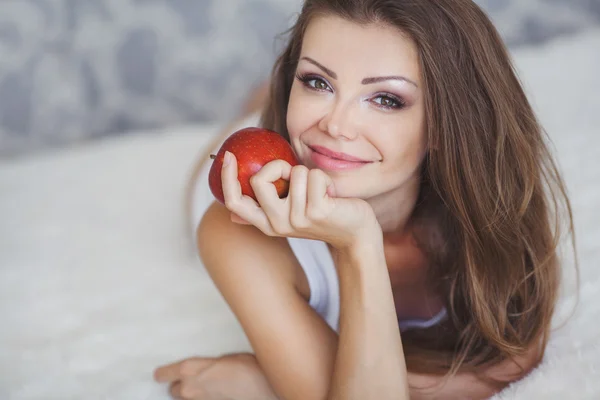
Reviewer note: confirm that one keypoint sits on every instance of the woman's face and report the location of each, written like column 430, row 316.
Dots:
column 357, row 91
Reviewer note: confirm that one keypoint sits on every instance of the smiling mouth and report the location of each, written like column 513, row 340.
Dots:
column 328, row 163
column 338, row 156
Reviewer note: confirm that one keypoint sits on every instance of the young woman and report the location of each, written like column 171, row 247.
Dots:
column 415, row 255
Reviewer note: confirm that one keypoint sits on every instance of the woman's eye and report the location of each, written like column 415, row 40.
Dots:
column 388, row 102
column 319, row 84
column 313, row 82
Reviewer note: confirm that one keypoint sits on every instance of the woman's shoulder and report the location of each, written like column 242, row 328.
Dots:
column 225, row 246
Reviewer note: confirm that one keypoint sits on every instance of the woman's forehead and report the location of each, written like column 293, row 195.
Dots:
column 368, row 49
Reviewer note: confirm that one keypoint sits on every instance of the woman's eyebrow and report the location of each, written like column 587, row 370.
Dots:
column 366, row 81
column 329, row 72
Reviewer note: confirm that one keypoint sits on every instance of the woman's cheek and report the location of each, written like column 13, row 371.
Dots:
column 292, row 117
column 303, row 113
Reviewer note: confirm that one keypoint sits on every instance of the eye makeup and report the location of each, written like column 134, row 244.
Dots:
column 383, row 100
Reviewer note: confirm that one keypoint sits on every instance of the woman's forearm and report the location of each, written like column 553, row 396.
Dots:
column 369, row 361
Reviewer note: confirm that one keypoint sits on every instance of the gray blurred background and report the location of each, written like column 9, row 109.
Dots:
column 76, row 70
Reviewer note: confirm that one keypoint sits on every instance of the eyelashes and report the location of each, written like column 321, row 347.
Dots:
column 306, row 79
column 386, row 101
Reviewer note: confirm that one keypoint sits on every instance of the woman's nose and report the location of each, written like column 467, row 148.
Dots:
column 338, row 122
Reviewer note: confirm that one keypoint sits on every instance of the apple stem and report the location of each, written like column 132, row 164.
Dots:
column 212, row 156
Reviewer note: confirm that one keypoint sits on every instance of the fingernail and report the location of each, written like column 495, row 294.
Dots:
column 226, row 159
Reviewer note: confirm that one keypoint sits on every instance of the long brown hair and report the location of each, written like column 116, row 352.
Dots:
column 489, row 182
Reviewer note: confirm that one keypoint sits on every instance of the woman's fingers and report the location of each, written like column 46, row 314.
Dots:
column 297, row 196
column 319, row 188
column 232, row 190
column 277, row 210
column 175, row 390
column 239, row 220
column 307, row 197
column 262, row 182
column 241, row 205
column 182, row 369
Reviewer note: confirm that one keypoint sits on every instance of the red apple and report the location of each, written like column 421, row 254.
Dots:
column 253, row 148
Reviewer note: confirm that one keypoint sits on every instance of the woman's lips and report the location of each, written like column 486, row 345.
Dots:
column 327, row 160
column 338, row 156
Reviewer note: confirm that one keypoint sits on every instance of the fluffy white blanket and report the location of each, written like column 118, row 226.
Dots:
column 99, row 282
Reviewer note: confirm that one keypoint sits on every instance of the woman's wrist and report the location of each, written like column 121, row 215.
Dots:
column 366, row 245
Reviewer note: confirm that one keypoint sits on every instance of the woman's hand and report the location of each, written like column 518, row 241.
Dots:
column 231, row 376
column 310, row 210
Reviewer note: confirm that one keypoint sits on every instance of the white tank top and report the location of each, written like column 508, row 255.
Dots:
column 318, row 265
